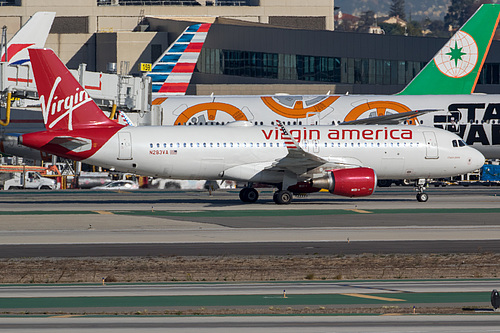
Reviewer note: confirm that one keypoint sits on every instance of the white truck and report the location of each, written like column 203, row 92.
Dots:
column 31, row 180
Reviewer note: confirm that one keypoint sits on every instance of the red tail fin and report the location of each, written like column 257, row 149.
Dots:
column 65, row 104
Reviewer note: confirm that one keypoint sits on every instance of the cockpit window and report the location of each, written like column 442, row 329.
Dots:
column 458, row 143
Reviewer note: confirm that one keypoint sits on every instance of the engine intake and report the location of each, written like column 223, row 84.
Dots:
column 355, row 182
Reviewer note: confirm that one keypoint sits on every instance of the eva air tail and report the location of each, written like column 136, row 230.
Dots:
column 456, row 67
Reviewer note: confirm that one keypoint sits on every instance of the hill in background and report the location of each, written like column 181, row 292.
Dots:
column 416, row 9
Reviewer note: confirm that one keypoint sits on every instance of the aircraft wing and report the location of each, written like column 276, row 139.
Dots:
column 297, row 160
column 390, row 119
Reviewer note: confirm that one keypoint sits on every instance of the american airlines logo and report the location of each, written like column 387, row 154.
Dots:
column 59, row 108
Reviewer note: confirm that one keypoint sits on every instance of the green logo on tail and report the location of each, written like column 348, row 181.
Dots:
column 456, row 67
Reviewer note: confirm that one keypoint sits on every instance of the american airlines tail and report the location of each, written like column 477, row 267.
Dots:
column 172, row 71
column 33, row 33
column 456, row 67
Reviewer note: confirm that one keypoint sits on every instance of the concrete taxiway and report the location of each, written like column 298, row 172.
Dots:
column 254, row 288
column 291, row 324
column 148, row 222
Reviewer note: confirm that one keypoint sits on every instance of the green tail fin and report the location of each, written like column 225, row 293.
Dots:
column 456, row 67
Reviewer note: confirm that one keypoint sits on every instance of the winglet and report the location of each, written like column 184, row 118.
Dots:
column 456, row 67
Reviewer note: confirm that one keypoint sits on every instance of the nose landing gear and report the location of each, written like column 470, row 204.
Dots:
column 420, row 187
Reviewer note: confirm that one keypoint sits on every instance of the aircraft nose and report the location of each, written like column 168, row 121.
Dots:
column 475, row 159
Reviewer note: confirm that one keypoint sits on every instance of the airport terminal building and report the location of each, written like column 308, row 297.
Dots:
column 253, row 46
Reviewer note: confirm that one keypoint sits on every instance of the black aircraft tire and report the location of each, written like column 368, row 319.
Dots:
column 283, row 197
column 243, row 194
column 422, row 197
column 249, row 195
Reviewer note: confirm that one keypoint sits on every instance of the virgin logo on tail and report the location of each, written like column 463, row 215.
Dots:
column 59, row 108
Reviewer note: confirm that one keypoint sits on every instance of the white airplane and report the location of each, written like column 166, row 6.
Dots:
column 446, row 83
column 33, row 33
column 346, row 160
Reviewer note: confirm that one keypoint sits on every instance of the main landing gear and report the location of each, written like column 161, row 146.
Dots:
column 420, row 187
column 281, row 197
column 249, row 194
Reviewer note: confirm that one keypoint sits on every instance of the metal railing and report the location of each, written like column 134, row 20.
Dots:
column 148, row 3
column 177, row 3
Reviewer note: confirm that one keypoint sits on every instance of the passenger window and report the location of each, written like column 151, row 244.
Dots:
column 151, row 145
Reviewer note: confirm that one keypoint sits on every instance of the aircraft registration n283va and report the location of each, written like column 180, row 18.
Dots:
column 346, row 160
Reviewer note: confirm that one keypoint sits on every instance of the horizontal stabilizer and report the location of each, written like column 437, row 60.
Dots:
column 72, row 144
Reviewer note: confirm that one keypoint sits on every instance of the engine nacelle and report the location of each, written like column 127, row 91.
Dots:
column 355, row 182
